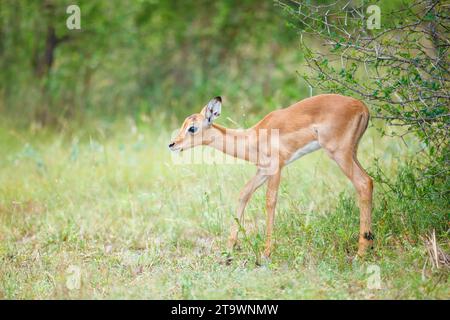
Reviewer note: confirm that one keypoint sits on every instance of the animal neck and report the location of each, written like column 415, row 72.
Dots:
column 238, row 143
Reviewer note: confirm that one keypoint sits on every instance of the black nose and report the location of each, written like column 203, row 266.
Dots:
column 171, row 145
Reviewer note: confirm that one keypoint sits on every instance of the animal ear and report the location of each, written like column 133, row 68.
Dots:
column 212, row 110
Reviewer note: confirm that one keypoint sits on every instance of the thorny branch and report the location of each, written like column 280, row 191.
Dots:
column 402, row 70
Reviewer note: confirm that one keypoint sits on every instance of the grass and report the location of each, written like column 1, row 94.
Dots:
column 109, row 204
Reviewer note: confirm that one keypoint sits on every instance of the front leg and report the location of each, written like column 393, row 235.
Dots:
column 244, row 197
column 271, row 201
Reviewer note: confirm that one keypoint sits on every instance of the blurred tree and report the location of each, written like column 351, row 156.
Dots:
column 136, row 56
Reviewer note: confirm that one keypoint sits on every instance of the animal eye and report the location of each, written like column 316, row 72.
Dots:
column 192, row 129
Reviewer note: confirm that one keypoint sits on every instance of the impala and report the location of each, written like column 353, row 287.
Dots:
column 329, row 121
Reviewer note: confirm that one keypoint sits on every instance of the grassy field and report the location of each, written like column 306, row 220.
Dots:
column 104, row 213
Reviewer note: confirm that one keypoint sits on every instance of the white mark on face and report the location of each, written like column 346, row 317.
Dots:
column 307, row 148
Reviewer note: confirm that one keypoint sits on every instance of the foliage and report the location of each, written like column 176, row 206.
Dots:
column 133, row 57
column 401, row 70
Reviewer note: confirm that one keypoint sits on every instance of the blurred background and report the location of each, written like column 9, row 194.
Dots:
column 142, row 57
column 93, row 206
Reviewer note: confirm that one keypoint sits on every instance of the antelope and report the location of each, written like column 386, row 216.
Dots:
column 333, row 122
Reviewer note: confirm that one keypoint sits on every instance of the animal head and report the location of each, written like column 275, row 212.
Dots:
column 196, row 128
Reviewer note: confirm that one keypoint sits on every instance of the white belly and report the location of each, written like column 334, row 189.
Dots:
column 308, row 148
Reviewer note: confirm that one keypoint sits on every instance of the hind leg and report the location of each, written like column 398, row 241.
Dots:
column 347, row 161
column 365, row 192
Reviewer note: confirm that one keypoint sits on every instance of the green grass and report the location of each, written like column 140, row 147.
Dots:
column 110, row 202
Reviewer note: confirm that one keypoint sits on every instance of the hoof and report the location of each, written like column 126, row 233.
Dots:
column 362, row 253
column 227, row 257
column 233, row 245
column 263, row 261
column 365, row 243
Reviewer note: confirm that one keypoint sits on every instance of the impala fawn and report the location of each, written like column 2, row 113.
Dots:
column 329, row 121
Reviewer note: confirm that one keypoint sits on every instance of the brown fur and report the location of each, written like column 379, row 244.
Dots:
column 336, row 122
